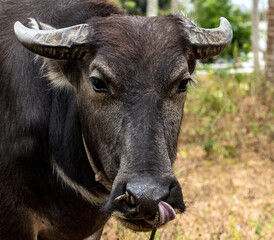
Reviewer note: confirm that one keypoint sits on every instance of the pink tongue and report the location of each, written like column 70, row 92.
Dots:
column 167, row 213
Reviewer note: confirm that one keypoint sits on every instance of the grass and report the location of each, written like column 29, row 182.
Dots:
column 224, row 163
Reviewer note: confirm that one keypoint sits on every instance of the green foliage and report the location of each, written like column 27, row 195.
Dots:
column 222, row 102
column 138, row 7
column 207, row 13
column 134, row 7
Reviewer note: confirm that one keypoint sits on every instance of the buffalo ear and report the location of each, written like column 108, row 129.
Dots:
column 65, row 44
column 206, row 43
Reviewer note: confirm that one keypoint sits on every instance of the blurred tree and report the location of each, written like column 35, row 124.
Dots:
column 174, row 6
column 207, row 14
column 269, row 73
column 138, row 7
column 255, row 34
column 152, row 8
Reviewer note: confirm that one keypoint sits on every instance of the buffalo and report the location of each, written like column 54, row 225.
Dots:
column 91, row 104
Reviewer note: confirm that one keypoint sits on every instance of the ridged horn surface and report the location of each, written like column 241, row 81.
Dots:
column 207, row 43
column 64, row 43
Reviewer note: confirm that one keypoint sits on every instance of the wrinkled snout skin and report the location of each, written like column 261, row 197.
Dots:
column 133, row 128
column 145, row 166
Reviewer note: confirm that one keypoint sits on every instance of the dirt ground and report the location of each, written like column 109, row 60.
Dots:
column 226, row 200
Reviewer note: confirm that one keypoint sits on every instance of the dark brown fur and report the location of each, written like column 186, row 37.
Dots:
column 30, row 127
column 131, row 133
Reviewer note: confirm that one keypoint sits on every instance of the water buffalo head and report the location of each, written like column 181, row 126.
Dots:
column 130, row 75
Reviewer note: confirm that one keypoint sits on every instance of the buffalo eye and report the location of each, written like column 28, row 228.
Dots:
column 98, row 85
column 183, row 86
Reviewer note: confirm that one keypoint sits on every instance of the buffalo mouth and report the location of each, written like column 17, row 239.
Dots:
column 139, row 225
column 165, row 213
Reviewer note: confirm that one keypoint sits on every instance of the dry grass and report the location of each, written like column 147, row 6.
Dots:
column 225, row 167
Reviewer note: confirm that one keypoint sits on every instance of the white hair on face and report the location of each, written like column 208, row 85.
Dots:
column 54, row 73
column 76, row 187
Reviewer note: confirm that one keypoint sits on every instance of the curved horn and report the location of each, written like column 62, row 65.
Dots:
column 207, row 43
column 64, row 43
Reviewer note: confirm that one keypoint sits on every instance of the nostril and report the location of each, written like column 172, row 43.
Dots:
column 170, row 189
column 172, row 186
column 129, row 199
column 132, row 200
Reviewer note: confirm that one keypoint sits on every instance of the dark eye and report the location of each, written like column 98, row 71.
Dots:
column 183, row 85
column 98, row 85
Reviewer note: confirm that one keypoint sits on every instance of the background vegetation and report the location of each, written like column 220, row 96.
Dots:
column 138, row 7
